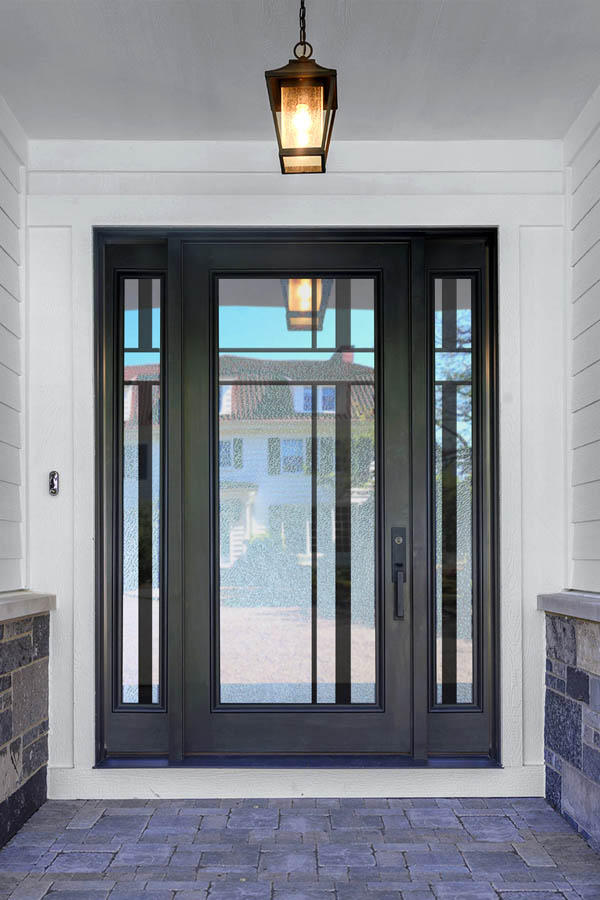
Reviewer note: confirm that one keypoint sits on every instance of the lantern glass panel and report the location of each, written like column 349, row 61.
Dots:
column 301, row 115
column 297, row 165
column 302, row 122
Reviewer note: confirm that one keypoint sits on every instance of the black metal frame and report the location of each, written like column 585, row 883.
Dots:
column 452, row 258
column 145, row 734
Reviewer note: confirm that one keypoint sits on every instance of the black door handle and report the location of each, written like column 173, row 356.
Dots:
column 399, row 568
column 399, row 578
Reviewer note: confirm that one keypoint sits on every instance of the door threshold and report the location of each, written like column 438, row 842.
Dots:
column 321, row 761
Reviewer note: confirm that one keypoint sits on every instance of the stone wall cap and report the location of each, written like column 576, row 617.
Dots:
column 578, row 604
column 18, row 604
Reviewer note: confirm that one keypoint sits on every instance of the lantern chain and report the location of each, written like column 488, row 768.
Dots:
column 302, row 22
column 303, row 49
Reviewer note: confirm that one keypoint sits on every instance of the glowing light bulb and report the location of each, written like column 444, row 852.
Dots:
column 302, row 125
column 305, row 295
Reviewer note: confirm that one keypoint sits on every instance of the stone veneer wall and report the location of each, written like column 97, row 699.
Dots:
column 24, row 647
column 572, row 721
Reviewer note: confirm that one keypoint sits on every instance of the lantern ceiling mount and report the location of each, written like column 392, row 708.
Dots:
column 303, row 98
column 303, row 43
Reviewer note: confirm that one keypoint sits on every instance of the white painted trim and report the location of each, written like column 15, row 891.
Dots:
column 179, row 211
column 177, row 783
column 252, row 157
column 271, row 183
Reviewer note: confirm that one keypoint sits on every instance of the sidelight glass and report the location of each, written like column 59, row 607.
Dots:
column 297, row 517
column 453, row 495
column 141, row 485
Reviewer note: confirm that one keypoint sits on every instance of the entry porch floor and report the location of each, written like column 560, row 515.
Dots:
column 306, row 849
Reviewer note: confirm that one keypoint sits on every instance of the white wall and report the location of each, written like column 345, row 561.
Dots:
column 582, row 156
column 13, row 157
column 517, row 186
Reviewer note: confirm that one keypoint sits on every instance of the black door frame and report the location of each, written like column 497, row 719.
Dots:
column 156, row 736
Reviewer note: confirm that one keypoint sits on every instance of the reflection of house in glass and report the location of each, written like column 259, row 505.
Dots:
column 265, row 449
column 278, row 521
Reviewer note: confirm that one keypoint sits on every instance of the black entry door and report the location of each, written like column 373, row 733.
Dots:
column 297, row 507
column 296, row 484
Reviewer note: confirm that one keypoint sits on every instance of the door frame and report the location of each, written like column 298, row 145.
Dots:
column 167, row 724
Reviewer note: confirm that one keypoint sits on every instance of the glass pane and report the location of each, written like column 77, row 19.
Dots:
column 253, row 314
column 299, row 367
column 453, row 366
column 265, row 527
column 148, row 319
column 452, row 312
column 302, row 115
column 360, row 312
column 362, row 543
column 140, row 611
column 297, row 515
column 453, row 497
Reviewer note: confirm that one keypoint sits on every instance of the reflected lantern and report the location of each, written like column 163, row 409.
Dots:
column 301, row 314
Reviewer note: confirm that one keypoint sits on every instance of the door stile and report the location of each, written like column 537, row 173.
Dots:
column 173, row 550
column 420, row 451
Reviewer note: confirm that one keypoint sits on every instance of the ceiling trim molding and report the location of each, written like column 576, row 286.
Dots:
column 261, row 157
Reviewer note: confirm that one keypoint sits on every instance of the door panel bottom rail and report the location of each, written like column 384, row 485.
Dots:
column 298, row 761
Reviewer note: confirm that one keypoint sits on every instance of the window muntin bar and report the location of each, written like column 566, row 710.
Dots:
column 453, row 494
column 141, row 601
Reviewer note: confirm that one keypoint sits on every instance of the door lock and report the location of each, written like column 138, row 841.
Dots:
column 399, row 568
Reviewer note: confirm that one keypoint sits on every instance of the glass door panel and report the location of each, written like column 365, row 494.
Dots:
column 297, row 490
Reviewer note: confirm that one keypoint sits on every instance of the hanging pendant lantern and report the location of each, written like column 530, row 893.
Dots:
column 303, row 98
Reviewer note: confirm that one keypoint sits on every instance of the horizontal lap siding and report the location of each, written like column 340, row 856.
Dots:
column 11, row 356
column 585, row 392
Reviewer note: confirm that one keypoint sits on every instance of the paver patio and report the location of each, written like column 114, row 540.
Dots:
column 469, row 849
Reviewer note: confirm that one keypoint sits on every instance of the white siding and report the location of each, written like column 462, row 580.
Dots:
column 582, row 149
column 13, row 150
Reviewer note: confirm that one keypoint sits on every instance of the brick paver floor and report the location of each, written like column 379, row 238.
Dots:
column 298, row 850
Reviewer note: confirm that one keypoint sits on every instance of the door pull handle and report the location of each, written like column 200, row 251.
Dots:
column 399, row 569
column 399, row 578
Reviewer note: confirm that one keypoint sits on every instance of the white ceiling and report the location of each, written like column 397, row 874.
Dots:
column 193, row 69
